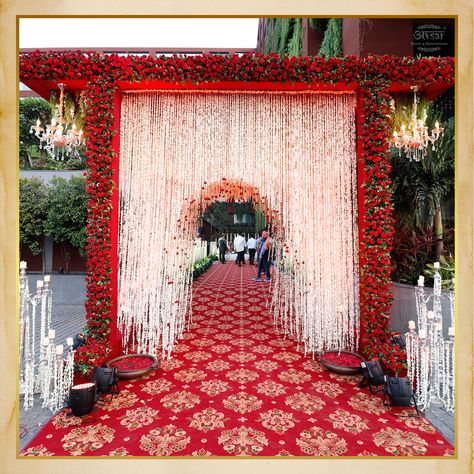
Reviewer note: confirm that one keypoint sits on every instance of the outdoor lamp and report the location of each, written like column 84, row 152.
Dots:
column 106, row 379
column 399, row 390
column 373, row 374
column 82, row 398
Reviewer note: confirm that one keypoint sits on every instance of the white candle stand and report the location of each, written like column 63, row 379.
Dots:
column 43, row 369
column 430, row 355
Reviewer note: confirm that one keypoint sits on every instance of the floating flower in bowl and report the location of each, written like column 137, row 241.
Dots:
column 342, row 362
column 131, row 366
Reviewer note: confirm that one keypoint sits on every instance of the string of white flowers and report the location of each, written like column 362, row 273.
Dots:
column 447, row 387
column 24, row 318
column 423, row 393
column 437, row 295
column 30, row 380
column 434, row 342
column 412, row 349
column 56, row 397
column 44, row 375
column 451, row 304
column 291, row 154
column 45, row 325
column 68, row 370
column 421, row 301
column 48, row 371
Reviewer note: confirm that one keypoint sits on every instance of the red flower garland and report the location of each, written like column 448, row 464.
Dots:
column 374, row 76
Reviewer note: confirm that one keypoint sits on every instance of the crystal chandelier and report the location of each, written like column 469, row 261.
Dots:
column 414, row 139
column 61, row 136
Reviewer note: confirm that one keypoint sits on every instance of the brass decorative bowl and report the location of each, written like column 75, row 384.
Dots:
column 126, row 371
column 341, row 369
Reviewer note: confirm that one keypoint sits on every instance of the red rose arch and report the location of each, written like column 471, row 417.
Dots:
column 102, row 78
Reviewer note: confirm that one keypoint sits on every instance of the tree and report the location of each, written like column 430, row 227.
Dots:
column 283, row 36
column 32, row 109
column 295, row 43
column 33, row 212
column 67, row 214
column 217, row 216
column 332, row 41
column 423, row 186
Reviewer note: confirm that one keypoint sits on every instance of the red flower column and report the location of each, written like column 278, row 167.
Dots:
column 377, row 231
column 99, row 131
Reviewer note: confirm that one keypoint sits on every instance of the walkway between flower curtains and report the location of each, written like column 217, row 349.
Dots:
column 236, row 388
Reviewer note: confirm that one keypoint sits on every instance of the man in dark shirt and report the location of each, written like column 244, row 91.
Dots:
column 264, row 255
column 222, row 244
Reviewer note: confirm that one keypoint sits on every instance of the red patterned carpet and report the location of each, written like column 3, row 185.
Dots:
column 236, row 388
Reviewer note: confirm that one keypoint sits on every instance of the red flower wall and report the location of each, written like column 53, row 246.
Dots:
column 373, row 78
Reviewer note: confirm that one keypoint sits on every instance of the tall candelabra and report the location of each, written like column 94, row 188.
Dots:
column 430, row 355
column 43, row 370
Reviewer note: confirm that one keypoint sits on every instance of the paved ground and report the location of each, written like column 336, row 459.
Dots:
column 442, row 420
column 68, row 319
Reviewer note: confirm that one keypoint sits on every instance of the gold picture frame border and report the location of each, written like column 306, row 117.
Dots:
column 10, row 11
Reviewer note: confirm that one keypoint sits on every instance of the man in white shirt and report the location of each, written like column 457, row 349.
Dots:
column 252, row 246
column 239, row 247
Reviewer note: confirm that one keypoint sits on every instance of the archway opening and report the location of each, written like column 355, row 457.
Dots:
column 183, row 150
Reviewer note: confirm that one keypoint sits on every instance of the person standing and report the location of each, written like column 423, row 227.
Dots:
column 252, row 247
column 258, row 246
column 222, row 245
column 264, row 255
column 239, row 247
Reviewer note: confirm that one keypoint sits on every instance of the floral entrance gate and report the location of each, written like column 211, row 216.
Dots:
column 104, row 78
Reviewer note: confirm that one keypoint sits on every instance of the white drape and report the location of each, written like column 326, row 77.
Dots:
column 297, row 148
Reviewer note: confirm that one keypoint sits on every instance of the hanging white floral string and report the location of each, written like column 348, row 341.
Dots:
column 451, row 304
column 44, row 375
column 291, row 153
column 24, row 318
column 424, row 374
column 447, row 387
column 30, row 342
column 421, row 300
column 68, row 369
column 48, row 368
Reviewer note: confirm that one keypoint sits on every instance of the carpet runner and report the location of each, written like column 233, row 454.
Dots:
column 235, row 387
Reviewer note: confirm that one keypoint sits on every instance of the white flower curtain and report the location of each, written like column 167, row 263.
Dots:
column 298, row 149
